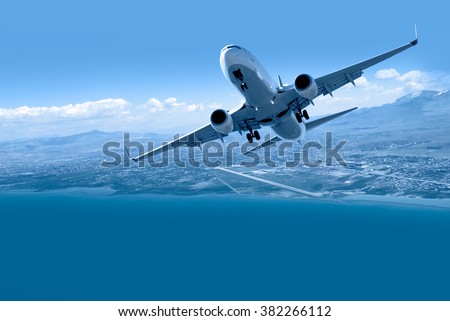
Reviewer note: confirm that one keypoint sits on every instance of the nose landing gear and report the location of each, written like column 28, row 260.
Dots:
column 240, row 76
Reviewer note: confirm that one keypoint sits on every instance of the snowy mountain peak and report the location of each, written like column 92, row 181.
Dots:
column 421, row 95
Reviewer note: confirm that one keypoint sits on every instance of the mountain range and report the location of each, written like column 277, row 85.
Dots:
column 401, row 148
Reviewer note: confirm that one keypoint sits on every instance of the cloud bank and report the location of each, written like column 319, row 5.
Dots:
column 102, row 108
column 386, row 73
column 107, row 114
column 171, row 115
column 385, row 86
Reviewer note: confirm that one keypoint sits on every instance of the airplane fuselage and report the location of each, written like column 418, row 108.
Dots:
column 260, row 91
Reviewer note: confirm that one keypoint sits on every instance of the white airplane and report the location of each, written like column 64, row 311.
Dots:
column 280, row 106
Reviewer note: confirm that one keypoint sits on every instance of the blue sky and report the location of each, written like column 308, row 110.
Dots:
column 154, row 66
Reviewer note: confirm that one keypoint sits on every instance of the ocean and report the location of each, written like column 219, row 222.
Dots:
column 88, row 245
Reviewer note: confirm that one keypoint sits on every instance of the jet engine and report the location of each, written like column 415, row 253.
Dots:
column 221, row 121
column 306, row 86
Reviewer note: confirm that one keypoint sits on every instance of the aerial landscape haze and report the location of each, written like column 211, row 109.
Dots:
column 349, row 201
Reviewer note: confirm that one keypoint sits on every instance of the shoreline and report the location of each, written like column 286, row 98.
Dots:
column 106, row 192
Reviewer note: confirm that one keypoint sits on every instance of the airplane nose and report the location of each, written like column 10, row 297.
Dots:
column 231, row 47
column 229, row 56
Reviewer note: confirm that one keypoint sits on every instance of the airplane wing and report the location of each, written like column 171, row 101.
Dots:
column 335, row 80
column 329, row 83
column 242, row 118
column 309, row 125
column 194, row 138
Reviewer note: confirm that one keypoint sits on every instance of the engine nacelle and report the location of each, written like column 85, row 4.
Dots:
column 306, row 86
column 221, row 121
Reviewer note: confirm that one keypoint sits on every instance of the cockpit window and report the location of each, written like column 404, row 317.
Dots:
column 231, row 46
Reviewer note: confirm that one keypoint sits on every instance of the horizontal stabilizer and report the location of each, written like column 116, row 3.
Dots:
column 313, row 124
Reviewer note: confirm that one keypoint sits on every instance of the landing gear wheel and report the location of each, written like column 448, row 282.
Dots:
column 305, row 114
column 256, row 135
column 250, row 138
column 299, row 117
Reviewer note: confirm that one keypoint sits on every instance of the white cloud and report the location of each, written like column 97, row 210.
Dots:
column 387, row 73
column 28, row 122
column 88, row 109
column 415, row 86
column 362, row 83
column 153, row 102
column 173, row 102
column 153, row 105
column 394, row 92
column 108, row 115
column 414, row 75
column 214, row 106
column 417, row 80
column 194, row 107
column 381, row 89
column 171, row 105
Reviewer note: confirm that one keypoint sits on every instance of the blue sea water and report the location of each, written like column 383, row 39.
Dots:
column 88, row 246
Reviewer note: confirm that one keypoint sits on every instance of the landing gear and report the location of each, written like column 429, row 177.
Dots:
column 305, row 114
column 253, row 134
column 240, row 76
column 300, row 115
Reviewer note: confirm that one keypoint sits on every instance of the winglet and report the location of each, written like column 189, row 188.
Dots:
column 415, row 41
